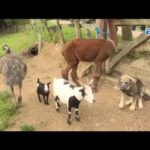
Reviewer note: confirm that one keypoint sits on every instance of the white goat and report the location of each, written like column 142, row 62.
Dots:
column 70, row 94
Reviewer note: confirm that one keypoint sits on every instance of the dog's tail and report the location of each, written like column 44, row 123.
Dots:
column 146, row 96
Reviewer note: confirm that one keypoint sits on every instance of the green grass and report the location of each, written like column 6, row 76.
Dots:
column 68, row 32
column 26, row 127
column 7, row 109
column 21, row 40
column 18, row 41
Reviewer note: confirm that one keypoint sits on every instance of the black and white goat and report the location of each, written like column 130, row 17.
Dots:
column 43, row 89
column 70, row 94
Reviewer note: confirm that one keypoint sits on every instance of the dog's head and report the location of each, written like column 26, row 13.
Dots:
column 125, row 82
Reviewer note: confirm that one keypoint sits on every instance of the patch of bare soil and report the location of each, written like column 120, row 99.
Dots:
column 103, row 115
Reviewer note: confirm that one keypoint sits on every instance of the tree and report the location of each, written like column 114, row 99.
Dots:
column 60, row 32
column 126, row 33
column 77, row 28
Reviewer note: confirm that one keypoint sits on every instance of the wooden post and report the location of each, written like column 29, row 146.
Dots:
column 32, row 22
column 112, row 30
column 39, row 43
column 88, row 34
column 44, row 26
column 62, row 40
column 114, row 38
column 77, row 29
column 126, row 33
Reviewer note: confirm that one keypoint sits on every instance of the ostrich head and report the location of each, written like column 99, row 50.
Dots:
column 6, row 48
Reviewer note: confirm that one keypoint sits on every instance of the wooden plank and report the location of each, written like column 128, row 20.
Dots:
column 114, row 60
column 121, row 22
column 132, row 22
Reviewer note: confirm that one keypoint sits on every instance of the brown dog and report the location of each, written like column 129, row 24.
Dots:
column 134, row 88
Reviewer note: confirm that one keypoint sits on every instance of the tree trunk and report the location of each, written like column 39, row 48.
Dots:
column 77, row 29
column 60, row 32
column 126, row 33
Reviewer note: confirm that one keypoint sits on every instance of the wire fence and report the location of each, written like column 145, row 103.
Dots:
column 16, row 28
column 139, row 67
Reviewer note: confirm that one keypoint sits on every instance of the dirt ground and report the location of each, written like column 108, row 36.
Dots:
column 103, row 115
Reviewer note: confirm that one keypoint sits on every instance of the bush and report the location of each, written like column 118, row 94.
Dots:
column 26, row 127
column 134, row 55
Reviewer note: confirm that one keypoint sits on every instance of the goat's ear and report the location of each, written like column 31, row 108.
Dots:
column 90, row 82
column 119, row 79
column 87, row 80
column 81, row 90
column 49, row 83
column 38, row 80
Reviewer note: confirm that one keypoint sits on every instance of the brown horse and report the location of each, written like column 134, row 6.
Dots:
column 89, row 50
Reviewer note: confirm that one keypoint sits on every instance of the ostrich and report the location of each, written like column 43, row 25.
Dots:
column 14, row 71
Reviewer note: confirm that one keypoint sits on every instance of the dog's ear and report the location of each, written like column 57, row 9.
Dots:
column 132, row 82
column 82, row 91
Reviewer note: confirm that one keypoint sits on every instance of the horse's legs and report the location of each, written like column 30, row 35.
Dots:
column 74, row 75
column 95, row 83
column 65, row 72
column 20, row 97
column 96, row 76
column 12, row 90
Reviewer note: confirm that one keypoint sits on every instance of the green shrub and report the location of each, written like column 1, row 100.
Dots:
column 26, row 127
column 7, row 109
